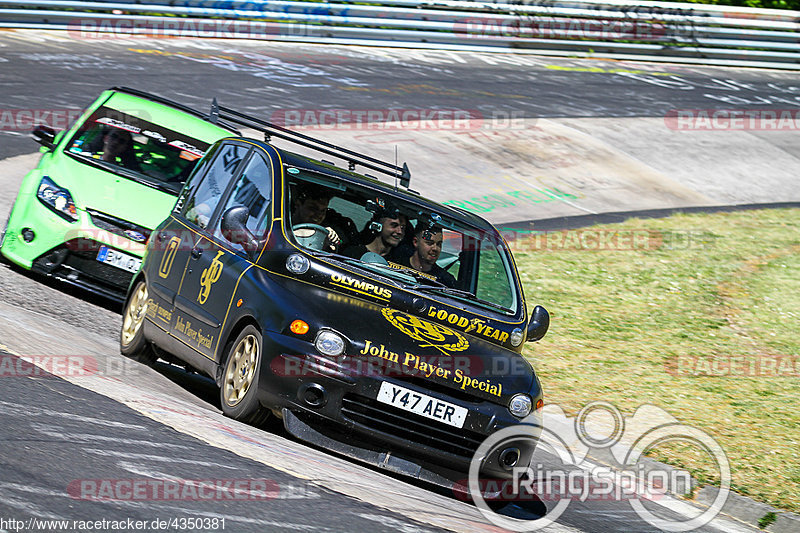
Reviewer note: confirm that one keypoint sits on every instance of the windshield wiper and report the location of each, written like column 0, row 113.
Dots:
column 450, row 291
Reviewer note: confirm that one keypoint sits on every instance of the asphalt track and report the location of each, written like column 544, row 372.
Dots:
column 164, row 423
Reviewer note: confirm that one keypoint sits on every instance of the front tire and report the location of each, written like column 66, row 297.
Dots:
column 132, row 343
column 239, row 387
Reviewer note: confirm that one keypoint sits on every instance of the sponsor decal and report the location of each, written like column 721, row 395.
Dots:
column 361, row 287
column 397, row 266
column 169, row 256
column 477, row 325
column 155, row 311
column 428, row 334
column 417, row 365
column 210, row 276
column 195, row 335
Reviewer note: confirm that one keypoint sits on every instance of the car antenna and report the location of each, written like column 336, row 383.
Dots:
column 213, row 117
column 395, row 167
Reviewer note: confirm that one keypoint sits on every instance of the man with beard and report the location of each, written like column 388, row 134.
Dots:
column 427, row 248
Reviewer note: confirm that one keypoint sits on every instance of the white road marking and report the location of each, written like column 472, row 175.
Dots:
column 158, row 458
column 25, row 411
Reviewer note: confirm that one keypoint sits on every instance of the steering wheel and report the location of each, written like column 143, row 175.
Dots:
column 310, row 235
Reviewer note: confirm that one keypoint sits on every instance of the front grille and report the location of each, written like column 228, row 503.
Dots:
column 409, row 426
column 87, row 263
column 116, row 225
column 81, row 255
column 434, row 386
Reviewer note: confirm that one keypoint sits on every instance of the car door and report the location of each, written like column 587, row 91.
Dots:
column 217, row 261
column 170, row 247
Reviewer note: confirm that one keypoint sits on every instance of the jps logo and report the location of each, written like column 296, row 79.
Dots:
column 209, row 277
column 426, row 333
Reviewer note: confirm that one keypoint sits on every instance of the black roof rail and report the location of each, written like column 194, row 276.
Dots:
column 160, row 99
column 403, row 174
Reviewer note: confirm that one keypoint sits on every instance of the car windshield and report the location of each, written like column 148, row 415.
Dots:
column 392, row 236
column 137, row 149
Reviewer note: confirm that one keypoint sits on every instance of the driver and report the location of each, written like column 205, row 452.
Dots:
column 118, row 149
column 310, row 206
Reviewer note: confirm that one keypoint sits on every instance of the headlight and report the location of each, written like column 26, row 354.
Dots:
column 520, row 405
column 59, row 200
column 328, row 342
column 516, row 337
column 297, row 264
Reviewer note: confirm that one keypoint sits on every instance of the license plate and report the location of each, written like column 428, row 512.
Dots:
column 118, row 259
column 422, row 404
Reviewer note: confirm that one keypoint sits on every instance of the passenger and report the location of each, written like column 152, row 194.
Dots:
column 392, row 229
column 310, row 206
column 427, row 249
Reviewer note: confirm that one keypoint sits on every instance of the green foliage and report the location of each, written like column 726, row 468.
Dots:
column 766, row 520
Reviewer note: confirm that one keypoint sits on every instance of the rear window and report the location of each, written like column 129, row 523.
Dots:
column 134, row 147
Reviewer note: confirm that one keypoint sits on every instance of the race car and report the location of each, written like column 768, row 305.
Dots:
column 358, row 347
column 85, row 213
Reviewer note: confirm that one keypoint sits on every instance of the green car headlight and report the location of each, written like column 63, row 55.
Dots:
column 58, row 199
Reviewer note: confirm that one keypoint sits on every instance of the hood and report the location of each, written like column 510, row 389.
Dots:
column 408, row 344
column 101, row 190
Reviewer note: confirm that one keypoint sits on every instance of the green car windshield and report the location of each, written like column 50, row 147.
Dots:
column 474, row 264
column 137, row 149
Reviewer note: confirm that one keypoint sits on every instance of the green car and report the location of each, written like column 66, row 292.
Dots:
column 85, row 213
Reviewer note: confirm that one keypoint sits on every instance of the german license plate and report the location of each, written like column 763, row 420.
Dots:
column 422, row 404
column 118, row 259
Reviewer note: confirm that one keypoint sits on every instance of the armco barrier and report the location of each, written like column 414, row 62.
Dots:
column 661, row 31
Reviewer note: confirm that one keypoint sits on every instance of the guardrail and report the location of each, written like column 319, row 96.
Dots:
column 655, row 31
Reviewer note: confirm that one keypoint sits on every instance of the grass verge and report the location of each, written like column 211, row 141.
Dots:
column 698, row 314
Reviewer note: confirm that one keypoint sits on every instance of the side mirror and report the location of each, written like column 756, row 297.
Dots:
column 234, row 228
column 45, row 136
column 539, row 323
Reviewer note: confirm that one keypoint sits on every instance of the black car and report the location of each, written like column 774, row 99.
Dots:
column 355, row 349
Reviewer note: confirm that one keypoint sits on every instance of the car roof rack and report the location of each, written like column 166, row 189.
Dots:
column 269, row 129
column 161, row 100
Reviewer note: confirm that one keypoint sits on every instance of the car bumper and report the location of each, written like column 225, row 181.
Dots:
column 68, row 251
column 338, row 409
